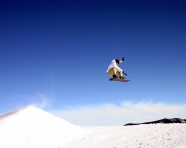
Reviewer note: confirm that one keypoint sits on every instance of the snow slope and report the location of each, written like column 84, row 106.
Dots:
column 31, row 127
column 139, row 136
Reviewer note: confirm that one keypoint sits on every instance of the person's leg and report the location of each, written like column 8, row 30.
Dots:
column 120, row 73
column 112, row 72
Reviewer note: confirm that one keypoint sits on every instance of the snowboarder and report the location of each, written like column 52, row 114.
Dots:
column 113, row 69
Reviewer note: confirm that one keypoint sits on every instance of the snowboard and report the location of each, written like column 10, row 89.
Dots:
column 118, row 79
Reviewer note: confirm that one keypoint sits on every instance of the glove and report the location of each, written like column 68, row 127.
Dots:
column 123, row 59
column 124, row 73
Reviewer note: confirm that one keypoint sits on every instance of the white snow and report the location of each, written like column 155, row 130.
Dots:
column 139, row 136
column 31, row 127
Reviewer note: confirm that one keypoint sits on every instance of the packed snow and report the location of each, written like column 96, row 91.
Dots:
column 140, row 136
column 31, row 127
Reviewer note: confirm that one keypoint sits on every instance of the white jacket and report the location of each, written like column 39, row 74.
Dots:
column 113, row 65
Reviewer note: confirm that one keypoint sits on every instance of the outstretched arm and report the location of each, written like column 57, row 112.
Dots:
column 122, row 60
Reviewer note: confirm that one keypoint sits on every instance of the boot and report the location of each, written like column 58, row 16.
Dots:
column 114, row 76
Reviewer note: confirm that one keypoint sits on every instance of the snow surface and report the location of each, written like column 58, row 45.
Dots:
column 139, row 136
column 31, row 127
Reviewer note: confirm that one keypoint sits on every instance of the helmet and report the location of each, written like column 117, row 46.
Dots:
column 117, row 61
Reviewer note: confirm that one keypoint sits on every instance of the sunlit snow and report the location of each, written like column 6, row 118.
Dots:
column 31, row 127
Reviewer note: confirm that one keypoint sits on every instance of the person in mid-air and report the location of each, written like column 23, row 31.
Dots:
column 113, row 69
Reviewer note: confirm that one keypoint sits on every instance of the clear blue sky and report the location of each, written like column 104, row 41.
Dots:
column 59, row 51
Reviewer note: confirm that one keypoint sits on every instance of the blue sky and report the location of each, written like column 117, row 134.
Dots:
column 55, row 54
